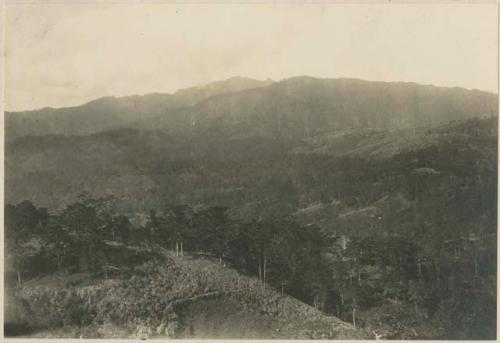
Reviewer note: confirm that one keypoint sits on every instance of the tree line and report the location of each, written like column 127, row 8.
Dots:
column 338, row 273
column 87, row 236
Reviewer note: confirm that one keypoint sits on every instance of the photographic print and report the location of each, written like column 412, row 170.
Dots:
column 250, row 170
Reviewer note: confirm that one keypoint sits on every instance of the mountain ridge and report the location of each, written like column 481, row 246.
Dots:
column 113, row 112
column 316, row 102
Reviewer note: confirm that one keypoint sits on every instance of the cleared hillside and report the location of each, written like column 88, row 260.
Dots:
column 183, row 297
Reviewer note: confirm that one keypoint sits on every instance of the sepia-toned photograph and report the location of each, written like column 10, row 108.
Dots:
column 292, row 170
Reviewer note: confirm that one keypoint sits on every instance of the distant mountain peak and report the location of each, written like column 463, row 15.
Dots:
column 232, row 84
column 300, row 105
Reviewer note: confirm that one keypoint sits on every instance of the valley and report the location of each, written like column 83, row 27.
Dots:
column 342, row 207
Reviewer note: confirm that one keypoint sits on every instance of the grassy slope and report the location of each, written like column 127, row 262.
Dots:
column 185, row 297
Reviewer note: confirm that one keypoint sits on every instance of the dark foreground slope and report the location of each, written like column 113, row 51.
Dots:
column 181, row 297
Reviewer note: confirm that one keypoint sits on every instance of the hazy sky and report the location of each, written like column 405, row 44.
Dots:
column 63, row 55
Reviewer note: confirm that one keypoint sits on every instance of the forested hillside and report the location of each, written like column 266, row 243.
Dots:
column 372, row 202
